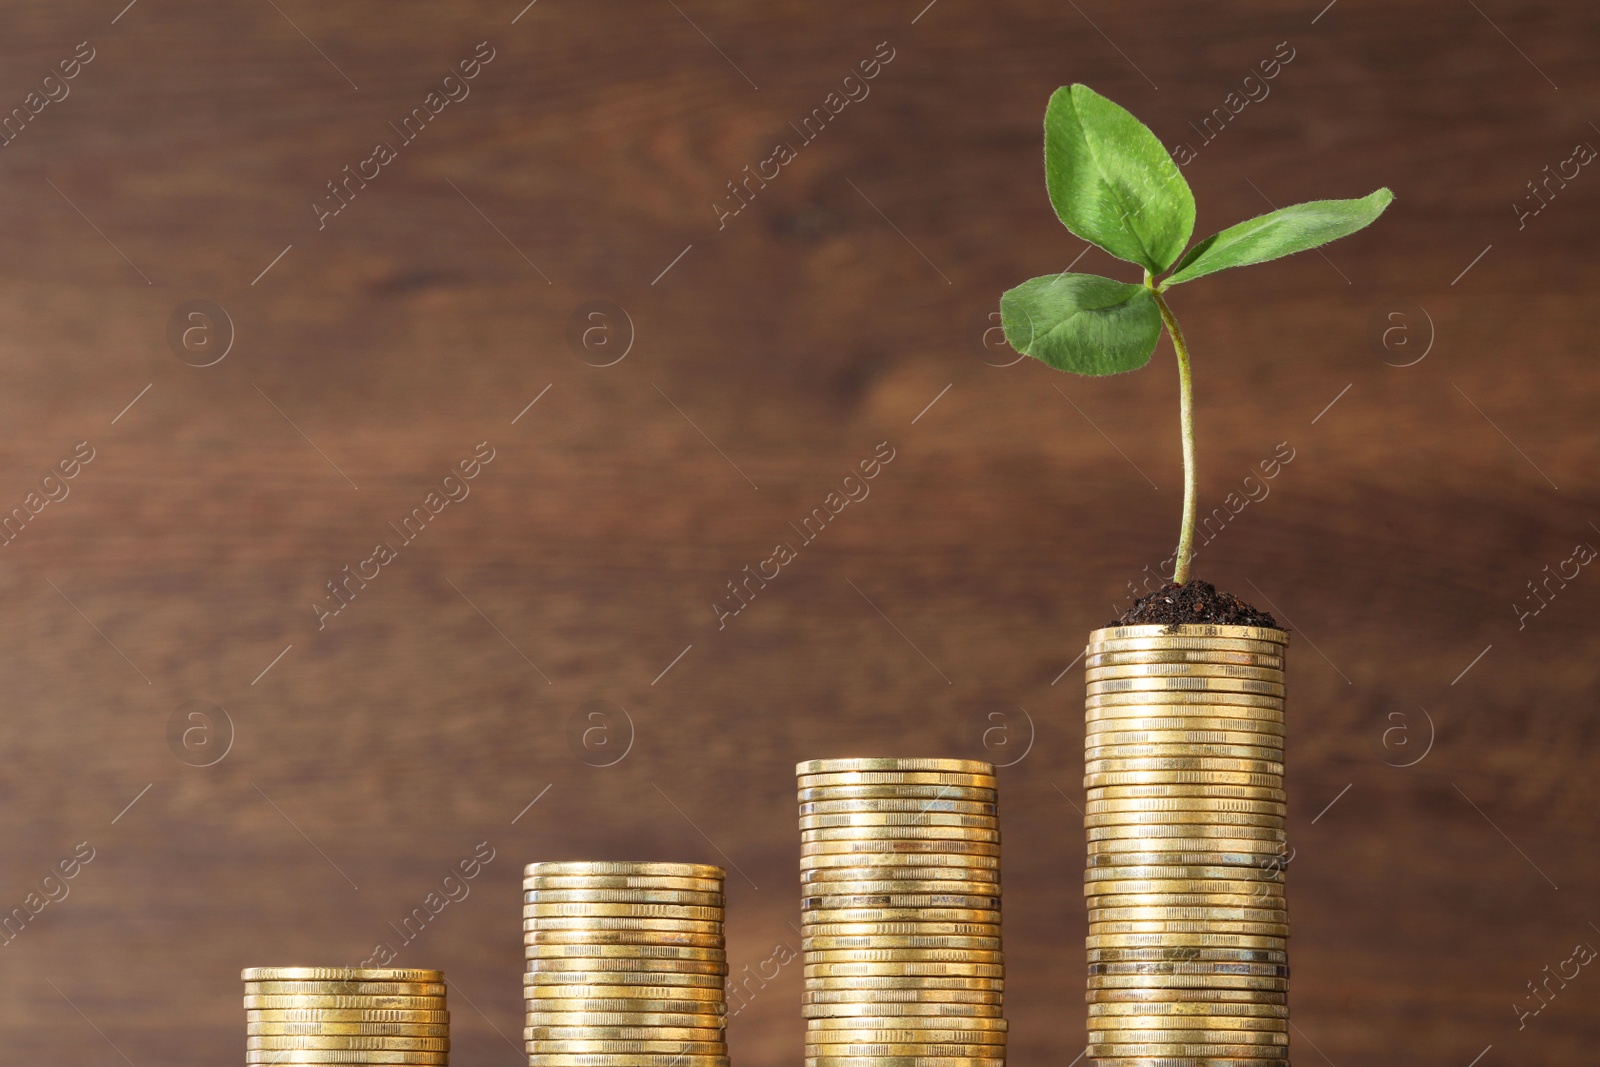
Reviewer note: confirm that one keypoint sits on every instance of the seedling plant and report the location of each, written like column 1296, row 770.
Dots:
column 1114, row 185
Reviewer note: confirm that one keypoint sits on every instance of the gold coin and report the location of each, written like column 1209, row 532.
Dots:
column 1216, row 939
column 312, row 1000
column 902, row 955
column 1195, row 808
column 874, row 846
column 893, row 998
column 550, row 968
column 824, row 893
column 1262, row 733
column 348, row 1042
column 896, row 901
column 1212, row 1027
column 831, row 1052
column 1260, row 655
column 907, row 968
column 1097, row 779
column 1184, row 701
column 1242, row 887
column 894, row 917
column 1164, row 1053
column 1186, row 717
column 1186, row 1010
column 945, row 1039
column 1182, row 873
column 546, row 1046
column 901, row 929
column 900, row 833
column 881, row 1013
column 319, row 1029
column 896, row 1061
column 614, row 991
column 982, row 794
column 623, row 868
column 345, row 1015
column 1100, row 750
column 579, row 1059
column 348, row 989
column 918, row 879
column 621, row 1033
column 1117, row 733
column 955, row 1043
column 849, row 1006
column 622, row 896
column 629, row 998
column 1190, row 829
column 1098, row 764
column 868, row 1042
column 912, row 1027
column 1146, row 842
column 1196, row 997
column 814, row 943
column 1265, row 928
column 867, row 985
column 1253, row 860
column 535, row 1020
column 1132, row 820
column 896, row 818
column 622, row 922
column 1202, row 967
column 920, row 865
column 624, row 883
column 639, row 938
column 570, row 978
column 253, row 1057
column 626, row 952
column 960, row 779
column 339, row 974
column 1189, row 631
column 892, row 763
column 917, row 867
column 1189, row 791
column 909, row 806
column 1187, row 900
column 876, row 855
column 588, row 909
column 1187, row 981
column 1210, row 656
column 1109, row 671
column 1188, row 954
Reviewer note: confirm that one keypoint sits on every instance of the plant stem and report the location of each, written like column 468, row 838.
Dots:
column 1180, row 573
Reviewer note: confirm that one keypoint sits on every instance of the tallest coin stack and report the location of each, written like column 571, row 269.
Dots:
column 900, row 872
column 1188, row 926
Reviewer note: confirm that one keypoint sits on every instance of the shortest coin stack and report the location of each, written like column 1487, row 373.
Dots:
column 626, row 965
column 345, row 1015
column 900, row 875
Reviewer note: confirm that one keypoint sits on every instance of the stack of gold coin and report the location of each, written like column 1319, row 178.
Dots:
column 345, row 1015
column 1188, row 924
column 900, row 873
column 626, row 965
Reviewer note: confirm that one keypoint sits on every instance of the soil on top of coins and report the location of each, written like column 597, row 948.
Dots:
column 1195, row 601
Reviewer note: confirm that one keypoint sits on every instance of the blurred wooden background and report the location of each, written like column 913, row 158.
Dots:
column 842, row 308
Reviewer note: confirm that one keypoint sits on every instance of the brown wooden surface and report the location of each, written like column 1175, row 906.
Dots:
column 808, row 330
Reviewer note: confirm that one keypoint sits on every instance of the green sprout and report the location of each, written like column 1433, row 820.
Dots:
column 1114, row 185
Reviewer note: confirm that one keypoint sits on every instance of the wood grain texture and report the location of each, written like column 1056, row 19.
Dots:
column 777, row 352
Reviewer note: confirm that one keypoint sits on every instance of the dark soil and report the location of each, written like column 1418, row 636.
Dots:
column 1193, row 602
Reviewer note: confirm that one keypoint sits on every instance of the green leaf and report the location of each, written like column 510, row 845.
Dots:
column 1111, row 181
column 1280, row 233
column 1082, row 323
